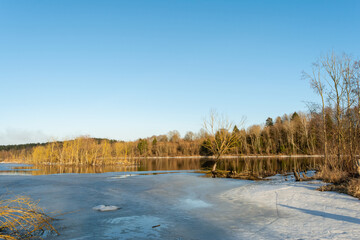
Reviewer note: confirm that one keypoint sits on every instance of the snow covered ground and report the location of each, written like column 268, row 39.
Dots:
column 293, row 210
column 186, row 205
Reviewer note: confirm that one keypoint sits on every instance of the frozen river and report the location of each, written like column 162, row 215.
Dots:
column 185, row 205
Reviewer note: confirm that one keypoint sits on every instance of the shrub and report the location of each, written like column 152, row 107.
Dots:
column 21, row 218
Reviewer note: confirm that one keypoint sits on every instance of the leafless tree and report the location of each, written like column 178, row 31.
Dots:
column 317, row 84
column 189, row 136
column 357, row 114
column 333, row 66
column 219, row 140
column 174, row 136
column 348, row 75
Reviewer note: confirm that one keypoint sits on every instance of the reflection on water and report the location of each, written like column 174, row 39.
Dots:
column 260, row 166
column 269, row 166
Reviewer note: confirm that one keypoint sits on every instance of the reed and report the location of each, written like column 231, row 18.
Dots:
column 22, row 218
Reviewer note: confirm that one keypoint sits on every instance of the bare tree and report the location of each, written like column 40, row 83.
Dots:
column 254, row 132
column 357, row 114
column 189, row 136
column 318, row 86
column 219, row 139
column 340, row 76
column 333, row 66
column 348, row 75
column 174, row 136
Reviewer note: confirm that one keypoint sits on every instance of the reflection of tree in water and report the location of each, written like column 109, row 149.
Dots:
column 163, row 164
column 58, row 169
column 253, row 166
column 267, row 166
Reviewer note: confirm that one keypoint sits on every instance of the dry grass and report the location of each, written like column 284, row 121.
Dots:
column 354, row 187
column 230, row 174
column 334, row 175
column 22, row 218
column 342, row 181
column 351, row 187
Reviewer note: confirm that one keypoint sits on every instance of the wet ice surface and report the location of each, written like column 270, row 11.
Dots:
column 174, row 201
column 188, row 206
column 8, row 168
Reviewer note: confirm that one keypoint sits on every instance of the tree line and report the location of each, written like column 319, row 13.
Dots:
column 296, row 133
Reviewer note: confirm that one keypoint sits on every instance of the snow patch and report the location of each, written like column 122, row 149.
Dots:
column 105, row 208
column 194, row 203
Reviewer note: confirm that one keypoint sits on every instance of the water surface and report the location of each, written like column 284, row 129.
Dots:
column 259, row 166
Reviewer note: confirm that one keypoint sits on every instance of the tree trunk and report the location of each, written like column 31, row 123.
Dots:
column 358, row 166
column 213, row 171
column 324, row 129
column 296, row 175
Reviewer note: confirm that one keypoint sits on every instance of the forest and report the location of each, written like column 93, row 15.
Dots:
column 297, row 133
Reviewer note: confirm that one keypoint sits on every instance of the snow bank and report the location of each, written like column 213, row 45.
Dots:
column 298, row 210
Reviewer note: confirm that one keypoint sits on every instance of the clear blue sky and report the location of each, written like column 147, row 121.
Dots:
column 130, row 69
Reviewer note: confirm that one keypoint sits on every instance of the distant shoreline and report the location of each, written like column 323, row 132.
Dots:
column 199, row 157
